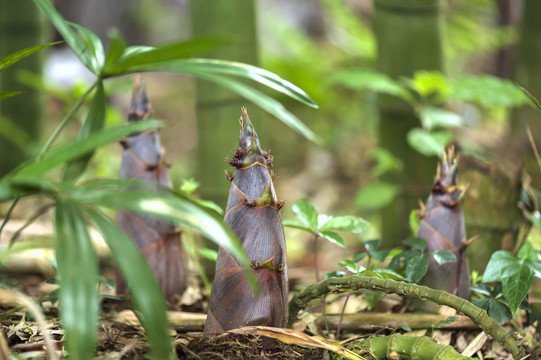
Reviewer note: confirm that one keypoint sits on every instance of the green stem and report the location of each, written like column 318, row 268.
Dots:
column 8, row 214
column 65, row 121
column 358, row 282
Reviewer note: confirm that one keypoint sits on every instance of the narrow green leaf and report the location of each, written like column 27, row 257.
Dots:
column 93, row 45
column 307, row 213
column 346, row 223
column 11, row 59
column 332, row 237
column 67, row 32
column 516, row 284
column 296, row 225
column 7, row 94
column 414, row 222
column 530, row 96
column 147, row 295
column 117, row 46
column 78, row 271
column 94, row 122
column 150, row 55
column 208, row 254
column 70, row 150
column 416, row 243
column 416, row 268
column 170, row 207
column 444, row 256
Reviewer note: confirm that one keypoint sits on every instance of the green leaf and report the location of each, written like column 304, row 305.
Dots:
column 94, row 122
column 366, row 79
column 7, row 94
column 208, row 254
column 372, row 245
column 375, row 195
column 170, row 207
column 535, row 265
column 527, row 251
column 78, row 271
column 499, row 311
column 117, row 46
column 335, row 274
column 72, row 38
column 332, row 237
column 499, row 262
column 416, row 243
column 532, row 98
column 296, row 225
column 414, row 221
column 516, row 284
column 483, row 303
column 386, row 162
column 389, row 274
column 70, row 150
column 444, row 256
column 11, row 59
column 307, row 213
column 93, row 45
column 416, row 268
column 345, row 223
column 145, row 56
column 428, row 143
column 431, row 84
column 350, row 265
column 146, row 293
column 432, row 118
column 358, row 256
column 213, row 67
column 488, row 91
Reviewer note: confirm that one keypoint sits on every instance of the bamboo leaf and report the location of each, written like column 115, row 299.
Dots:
column 93, row 45
column 11, row 59
column 307, row 213
column 346, row 223
column 94, row 122
column 144, row 56
column 72, row 38
column 147, row 295
column 117, row 46
column 7, row 94
column 530, row 96
column 77, row 268
column 75, row 148
column 173, row 208
column 332, row 237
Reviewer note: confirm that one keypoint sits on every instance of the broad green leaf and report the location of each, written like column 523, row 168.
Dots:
column 416, row 268
column 527, row 251
column 146, row 293
column 499, row 263
column 335, row 274
column 499, row 311
column 431, row 84
column 444, row 256
column 432, row 118
column 307, row 213
column 78, row 271
column 350, row 265
column 376, row 195
column 488, row 91
column 389, row 274
column 416, row 243
column 358, row 256
column 483, row 303
column 366, row 79
column 295, row 224
column 72, row 149
column 516, row 284
column 94, row 122
column 386, row 162
column 230, row 68
column 428, row 143
column 68, row 33
column 535, row 265
column 170, row 207
column 11, row 59
column 372, row 245
column 145, row 56
column 117, row 46
column 345, row 223
column 208, row 254
column 332, row 237
column 531, row 97
column 7, row 94
column 94, row 46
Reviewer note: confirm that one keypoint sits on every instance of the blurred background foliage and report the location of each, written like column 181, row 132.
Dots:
column 330, row 49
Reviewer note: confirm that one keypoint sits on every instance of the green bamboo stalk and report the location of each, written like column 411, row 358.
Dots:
column 358, row 282
column 24, row 111
column 398, row 346
column 412, row 28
